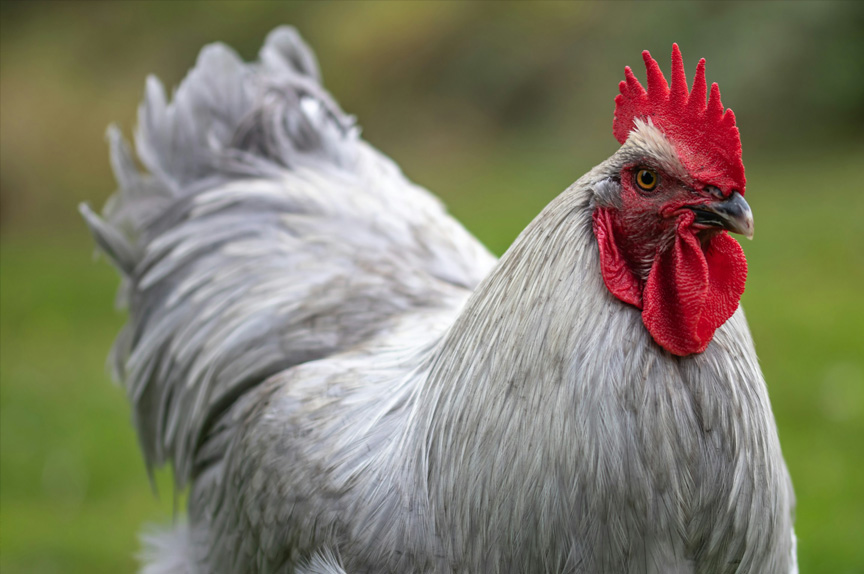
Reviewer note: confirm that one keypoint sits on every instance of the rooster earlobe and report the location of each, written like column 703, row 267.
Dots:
column 617, row 276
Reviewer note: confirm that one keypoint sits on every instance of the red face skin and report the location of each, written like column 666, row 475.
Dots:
column 687, row 278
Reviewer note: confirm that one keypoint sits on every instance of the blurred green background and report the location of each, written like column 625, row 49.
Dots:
column 496, row 108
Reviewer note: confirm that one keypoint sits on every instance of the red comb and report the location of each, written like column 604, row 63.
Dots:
column 705, row 136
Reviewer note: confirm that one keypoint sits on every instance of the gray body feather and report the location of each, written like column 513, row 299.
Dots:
column 346, row 379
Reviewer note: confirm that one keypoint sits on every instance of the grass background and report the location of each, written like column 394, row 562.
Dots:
column 496, row 109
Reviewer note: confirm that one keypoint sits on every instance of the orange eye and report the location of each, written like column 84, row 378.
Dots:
column 646, row 179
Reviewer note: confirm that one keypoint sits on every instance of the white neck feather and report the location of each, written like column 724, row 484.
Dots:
column 548, row 401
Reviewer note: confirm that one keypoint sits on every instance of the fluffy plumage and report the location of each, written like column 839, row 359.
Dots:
column 347, row 381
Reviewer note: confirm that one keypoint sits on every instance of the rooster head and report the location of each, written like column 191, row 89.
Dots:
column 677, row 189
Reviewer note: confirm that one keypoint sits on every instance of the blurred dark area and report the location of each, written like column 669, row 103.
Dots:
column 426, row 80
column 496, row 108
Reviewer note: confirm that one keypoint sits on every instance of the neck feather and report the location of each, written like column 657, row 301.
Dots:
column 548, row 395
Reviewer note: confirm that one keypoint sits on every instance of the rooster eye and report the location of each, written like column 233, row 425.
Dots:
column 646, row 179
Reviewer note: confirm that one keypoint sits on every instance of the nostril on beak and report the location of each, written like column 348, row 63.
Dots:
column 732, row 214
column 738, row 215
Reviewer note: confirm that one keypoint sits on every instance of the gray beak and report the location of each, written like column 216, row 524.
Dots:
column 732, row 214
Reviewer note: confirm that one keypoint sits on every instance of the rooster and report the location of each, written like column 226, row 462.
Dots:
column 347, row 381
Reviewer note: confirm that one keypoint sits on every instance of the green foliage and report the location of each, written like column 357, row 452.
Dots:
column 496, row 109
column 74, row 488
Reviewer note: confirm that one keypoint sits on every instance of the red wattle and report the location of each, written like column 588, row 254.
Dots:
column 620, row 281
column 692, row 291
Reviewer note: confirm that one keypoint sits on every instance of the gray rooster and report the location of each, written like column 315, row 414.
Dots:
column 346, row 380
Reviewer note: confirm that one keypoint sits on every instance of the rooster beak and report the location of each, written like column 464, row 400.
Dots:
column 732, row 214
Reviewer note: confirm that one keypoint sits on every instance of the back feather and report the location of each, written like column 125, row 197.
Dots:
column 266, row 234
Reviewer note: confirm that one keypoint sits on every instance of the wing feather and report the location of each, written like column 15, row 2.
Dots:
column 264, row 234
